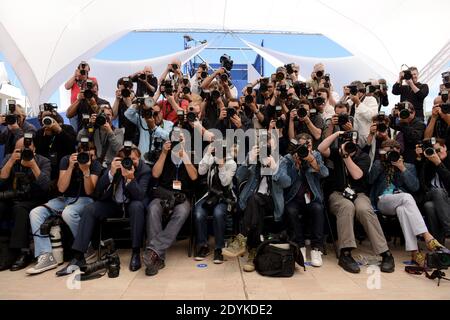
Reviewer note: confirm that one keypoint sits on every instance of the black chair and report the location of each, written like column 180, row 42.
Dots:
column 124, row 219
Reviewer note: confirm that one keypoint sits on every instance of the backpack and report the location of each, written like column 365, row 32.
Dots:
column 277, row 258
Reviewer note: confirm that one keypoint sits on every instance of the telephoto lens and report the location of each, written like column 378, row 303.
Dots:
column 27, row 154
column 143, row 76
column 191, row 116
column 407, row 75
column 127, row 163
column 429, row 151
column 302, row 112
column 203, row 74
column 318, row 101
column 404, row 114
column 215, row 94
column 350, row 147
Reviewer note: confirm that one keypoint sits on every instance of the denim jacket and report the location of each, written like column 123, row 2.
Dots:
column 406, row 181
column 288, row 176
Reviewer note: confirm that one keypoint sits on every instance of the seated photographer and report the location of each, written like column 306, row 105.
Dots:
column 301, row 171
column 304, row 119
column 261, row 196
column 171, row 202
column 13, row 126
column 24, row 181
column 147, row 116
column 348, row 199
column 87, row 102
column 379, row 132
column 146, row 82
column 414, row 91
column 393, row 181
column 438, row 122
column 340, row 121
column 124, row 99
column 434, row 175
column 409, row 129
column 108, row 140
column 54, row 140
column 220, row 168
column 121, row 189
column 78, row 177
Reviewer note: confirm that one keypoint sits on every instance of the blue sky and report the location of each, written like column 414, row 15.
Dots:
column 140, row 45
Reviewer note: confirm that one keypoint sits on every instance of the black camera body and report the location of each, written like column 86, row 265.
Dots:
column 343, row 118
column 404, row 112
column 445, row 108
column 263, row 85
column 166, row 87
column 349, row 139
column 428, row 146
column 407, row 75
column 87, row 92
column 152, row 156
column 279, row 123
column 110, row 261
column 83, row 156
column 289, row 68
column 127, row 162
column 392, row 156
column 283, row 91
column 438, row 260
column 100, row 120
column 381, row 122
column 46, row 226
column 302, row 112
column 353, row 89
column 27, row 154
column 301, row 150
column 226, row 62
column 318, row 101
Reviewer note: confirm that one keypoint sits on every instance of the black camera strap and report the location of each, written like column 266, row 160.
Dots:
column 105, row 145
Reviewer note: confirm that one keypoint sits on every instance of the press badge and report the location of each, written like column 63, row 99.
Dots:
column 176, row 185
column 307, row 198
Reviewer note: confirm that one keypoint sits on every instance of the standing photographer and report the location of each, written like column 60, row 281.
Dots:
column 121, row 189
column 146, row 82
column 24, row 180
column 13, row 126
column 124, row 98
column 414, row 91
column 393, row 181
column 108, row 140
column 220, row 168
column 434, row 176
column 78, row 177
column 439, row 121
column 348, row 199
column 78, row 81
column 175, row 173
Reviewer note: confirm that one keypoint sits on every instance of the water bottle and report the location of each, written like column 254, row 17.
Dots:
column 57, row 248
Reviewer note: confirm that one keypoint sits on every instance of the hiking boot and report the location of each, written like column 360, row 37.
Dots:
column 236, row 247
column 45, row 262
column 249, row 266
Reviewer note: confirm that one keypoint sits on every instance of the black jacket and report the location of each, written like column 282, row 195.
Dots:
column 427, row 171
column 406, row 94
column 412, row 135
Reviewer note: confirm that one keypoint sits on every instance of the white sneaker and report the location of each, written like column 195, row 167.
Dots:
column 303, row 251
column 316, row 258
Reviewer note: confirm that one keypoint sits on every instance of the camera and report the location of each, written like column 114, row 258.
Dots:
column 87, row 92
column 279, row 123
column 319, row 74
column 301, row 88
column 83, row 156
column 174, row 67
column 444, row 95
column 11, row 118
column 343, row 119
column 82, row 67
column 392, row 156
column 263, row 84
column 166, row 87
column 326, row 77
column 248, row 99
column 148, row 113
column 48, row 107
column 47, row 121
column 349, row 139
column 186, row 90
column 46, row 226
column 127, row 162
column 301, row 150
column 283, row 91
column 27, row 153
column 12, row 194
column 446, row 79
column 191, row 116
column 152, row 156
column 381, row 124
column 279, row 76
column 180, row 115
column 226, row 62
column 353, row 89
column 404, row 112
column 407, row 75
column 100, row 120
column 445, row 108
column 144, row 102
column 289, row 68
column 318, row 101
column 302, row 112
column 428, row 146
column 349, row 194
column 110, row 261
column 175, row 136
column 438, row 260
column 215, row 94
column 231, row 112
column 263, row 144
column 125, row 93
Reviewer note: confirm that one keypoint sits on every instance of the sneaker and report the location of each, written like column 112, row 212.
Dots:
column 202, row 253
column 303, row 251
column 152, row 262
column 236, row 247
column 387, row 264
column 249, row 266
column 316, row 258
column 45, row 262
column 434, row 245
column 347, row 262
column 218, row 257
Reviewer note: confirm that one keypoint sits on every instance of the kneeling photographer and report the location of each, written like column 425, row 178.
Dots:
column 120, row 189
column 348, row 189
column 171, row 201
column 433, row 166
column 78, row 177
column 24, row 181
column 393, row 181
column 220, row 167
column 108, row 140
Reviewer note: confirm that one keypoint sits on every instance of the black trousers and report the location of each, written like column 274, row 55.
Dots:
column 15, row 218
column 437, row 211
column 258, row 206
column 95, row 212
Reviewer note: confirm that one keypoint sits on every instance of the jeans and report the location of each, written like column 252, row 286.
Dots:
column 437, row 211
column 71, row 214
column 315, row 210
column 219, row 223
column 404, row 206
column 160, row 240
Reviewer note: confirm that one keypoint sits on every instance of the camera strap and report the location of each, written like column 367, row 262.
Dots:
column 105, row 146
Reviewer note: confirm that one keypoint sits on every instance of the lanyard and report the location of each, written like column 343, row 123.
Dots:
column 177, row 170
column 51, row 144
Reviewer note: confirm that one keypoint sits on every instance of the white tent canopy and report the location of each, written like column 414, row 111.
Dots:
column 45, row 42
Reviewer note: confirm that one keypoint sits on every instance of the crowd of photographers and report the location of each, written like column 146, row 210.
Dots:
column 312, row 151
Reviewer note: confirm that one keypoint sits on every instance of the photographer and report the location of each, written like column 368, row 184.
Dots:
column 121, row 189
column 409, row 129
column 24, row 181
column 382, row 94
column 175, row 173
column 78, row 177
column 199, row 77
column 322, row 103
column 414, row 91
column 147, row 83
column 261, row 196
column 87, row 102
column 172, row 72
column 230, row 117
column 434, row 175
column 172, row 101
column 222, row 77
column 220, row 168
column 439, row 121
column 78, row 81
column 304, row 119
column 340, row 121
column 124, row 97
column 393, row 181
column 54, row 140
column 348, row 199
column 301, row 171
column 13, row 126
column 379, row 132
column 108, row 140
column 148, row 118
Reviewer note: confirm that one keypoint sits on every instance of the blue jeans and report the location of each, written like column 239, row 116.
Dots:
column 70, row 213
column 219, row 224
